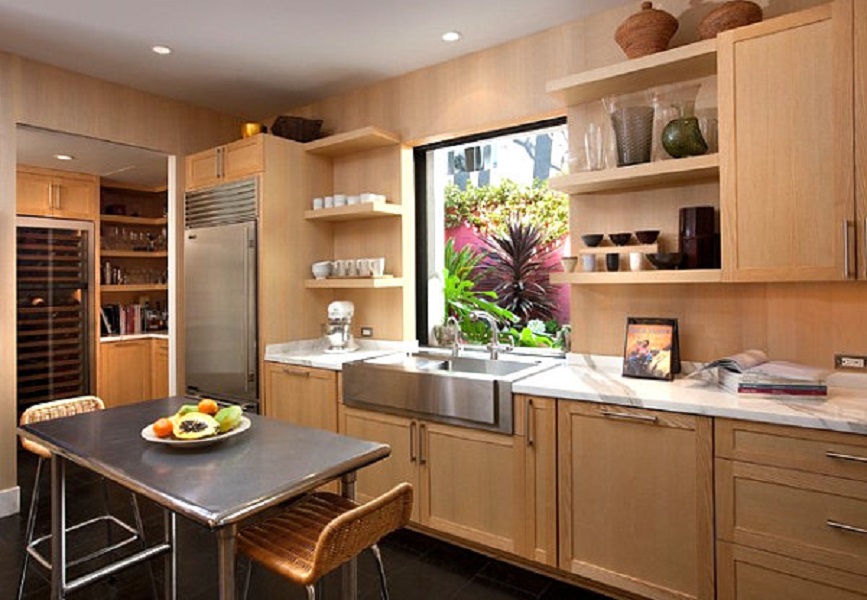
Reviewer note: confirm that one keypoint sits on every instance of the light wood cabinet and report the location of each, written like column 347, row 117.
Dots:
column 798, row 494
column 301, row 395
column 124, row 374
column 52, row 193
column 159, row 368
column 787, row 147
column 226, row 163
column 636, row 499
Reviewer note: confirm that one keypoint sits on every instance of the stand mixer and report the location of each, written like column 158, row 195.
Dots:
column 339, row 330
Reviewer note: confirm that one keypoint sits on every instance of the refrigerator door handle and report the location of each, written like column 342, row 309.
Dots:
column 250, row 346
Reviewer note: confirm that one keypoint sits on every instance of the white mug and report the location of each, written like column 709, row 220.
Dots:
column 362, row 267
column 636, row 261
column 338, row 268
column 339, row 200
column 588, row 262
column 328, row 202
column 377, row 266
column 317, row 203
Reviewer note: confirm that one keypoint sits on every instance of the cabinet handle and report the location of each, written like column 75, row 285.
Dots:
column 412, row 455
column 846, row 249
column 837, row 455
column 421, row 457
column 844, row 527
column 51, row 187
column 628, row 416
column 57, row 196
column 527, row 417
column 218, row 166
column 296, row 372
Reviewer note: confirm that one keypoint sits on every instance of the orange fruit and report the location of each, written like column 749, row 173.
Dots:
column 208, row 406
column 162, row 427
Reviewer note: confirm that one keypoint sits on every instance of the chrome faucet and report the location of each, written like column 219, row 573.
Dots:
column 452, row 323
column 494, row 346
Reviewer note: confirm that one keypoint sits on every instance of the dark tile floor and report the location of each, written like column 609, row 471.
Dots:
column 418, row 567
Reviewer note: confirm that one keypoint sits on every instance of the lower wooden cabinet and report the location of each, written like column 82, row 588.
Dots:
column 124, row 371
column 636, row 499
column 301, row 395
column 159, row 368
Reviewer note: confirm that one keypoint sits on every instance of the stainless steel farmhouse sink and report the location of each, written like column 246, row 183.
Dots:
column 460, row 390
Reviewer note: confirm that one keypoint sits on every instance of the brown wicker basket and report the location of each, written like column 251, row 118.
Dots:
column 646, row 32
column 728, row 16
column 296, row 128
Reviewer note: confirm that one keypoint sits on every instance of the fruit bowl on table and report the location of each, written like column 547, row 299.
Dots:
column 665, row 260
column 148, row 434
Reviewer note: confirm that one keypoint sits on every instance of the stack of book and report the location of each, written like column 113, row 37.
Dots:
column 750, row 373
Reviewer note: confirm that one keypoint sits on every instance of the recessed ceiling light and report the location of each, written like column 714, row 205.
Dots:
column 452, row 36
column 64, row 157
column 162, row 50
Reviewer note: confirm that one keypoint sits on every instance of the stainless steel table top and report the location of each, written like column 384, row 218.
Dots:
column 217, row 484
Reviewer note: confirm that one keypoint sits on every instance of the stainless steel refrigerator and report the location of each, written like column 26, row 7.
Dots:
column 220, row 304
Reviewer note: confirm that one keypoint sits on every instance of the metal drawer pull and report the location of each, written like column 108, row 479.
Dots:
column 296, row 373
column 630, row 416
column 858, row 459
column 846, row 249
column 529, row 409
column 412, row 456
column 844, row 527
column 422, row 428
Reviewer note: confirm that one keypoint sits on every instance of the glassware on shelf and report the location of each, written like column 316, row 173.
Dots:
column 632, row 120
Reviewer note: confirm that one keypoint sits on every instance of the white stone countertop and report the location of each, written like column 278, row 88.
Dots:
column 599, row 379
column 311, row 353
column 134, row 336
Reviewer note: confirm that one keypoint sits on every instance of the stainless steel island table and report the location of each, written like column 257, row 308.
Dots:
column 218, row 485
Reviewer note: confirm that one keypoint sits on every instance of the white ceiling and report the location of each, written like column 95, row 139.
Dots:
column 258, row 58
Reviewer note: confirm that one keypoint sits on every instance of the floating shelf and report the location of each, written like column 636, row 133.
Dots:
column 643, row 248
column 359, row 140
column 125, row 220
column 678, row 64
column 132, row 254
column 651, row 276
column 354, row 283
column 355, row 212
column 134, row 287
column 660, row 172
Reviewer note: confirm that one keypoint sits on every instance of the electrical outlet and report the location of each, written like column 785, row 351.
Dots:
column 849, row 361
column 367, row 332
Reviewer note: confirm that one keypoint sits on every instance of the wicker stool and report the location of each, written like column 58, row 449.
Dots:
column 53, row 410
column 322, row 531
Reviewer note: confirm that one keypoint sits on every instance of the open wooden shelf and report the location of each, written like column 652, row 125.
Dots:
column 358, row 140
column 132, row 254
column 660, row 172
column 355, row 212
column 678, row 64
column 134, row 287
column 354, row 283
column 643, row 248
column 125, row 220
column 651, row 276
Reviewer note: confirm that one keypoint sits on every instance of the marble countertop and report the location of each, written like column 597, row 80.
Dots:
column 598, row 379
column 311, row 353
column 134, row 336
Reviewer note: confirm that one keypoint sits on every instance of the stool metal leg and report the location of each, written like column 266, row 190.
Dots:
column 247, row 578
column 383, row 584
column 311, row 592
column 31, row 526
column 139, row 527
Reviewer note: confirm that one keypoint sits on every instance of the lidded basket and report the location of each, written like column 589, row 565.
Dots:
column 646, row 32
column 729, row 15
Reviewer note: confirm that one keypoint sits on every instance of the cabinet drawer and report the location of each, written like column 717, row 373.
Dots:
column 802, row 515
column 749, row 574
column 823, row 452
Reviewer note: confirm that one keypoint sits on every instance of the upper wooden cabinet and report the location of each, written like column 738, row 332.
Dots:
column 787, row 147
column 222, row 164
column 52, row 193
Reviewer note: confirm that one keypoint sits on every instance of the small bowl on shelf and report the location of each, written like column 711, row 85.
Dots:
column 569, row 263
column 620, row 239
column 591, row 240
column 647, row 236
column 665, row 260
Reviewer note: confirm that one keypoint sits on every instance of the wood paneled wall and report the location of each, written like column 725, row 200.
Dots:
column 41, row 95
column 506, row 85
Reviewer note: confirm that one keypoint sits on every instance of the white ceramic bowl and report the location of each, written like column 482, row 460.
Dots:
column 321, row 270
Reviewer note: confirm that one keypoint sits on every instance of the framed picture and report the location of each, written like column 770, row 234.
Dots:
column 651, row 350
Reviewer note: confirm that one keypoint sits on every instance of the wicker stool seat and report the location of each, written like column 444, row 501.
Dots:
column 322, row 531
column 53, row 410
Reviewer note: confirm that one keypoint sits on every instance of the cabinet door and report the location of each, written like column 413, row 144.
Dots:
column 33, row 194
column 75, row 197
column 536, row 426
column 786, row 155
column 203, row 168
column 243, row 158
column 402, row 465
column 124, row 372
column 472, row 485
column 636, row 499
column 301, row 395
column 159, row 368
column 749, row 574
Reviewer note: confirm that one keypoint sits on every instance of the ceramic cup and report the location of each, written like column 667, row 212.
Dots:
column 612, row 261
column 362, row 267
column 338, row 268
column 322, row 269
column 352, row 199
column 339, row 199
column 377, row 266
column 317, row 203
column 636, row 261
column 328, row 202
column 588, row 262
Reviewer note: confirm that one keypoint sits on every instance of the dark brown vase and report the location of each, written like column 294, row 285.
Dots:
column 646, row 32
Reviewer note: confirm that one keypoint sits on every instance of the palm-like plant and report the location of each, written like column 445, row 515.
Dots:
column 515, row 269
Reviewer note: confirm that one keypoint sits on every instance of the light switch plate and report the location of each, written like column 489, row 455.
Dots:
column 850, row 362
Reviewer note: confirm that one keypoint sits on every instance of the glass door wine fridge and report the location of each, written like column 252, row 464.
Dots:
column 55, row 296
